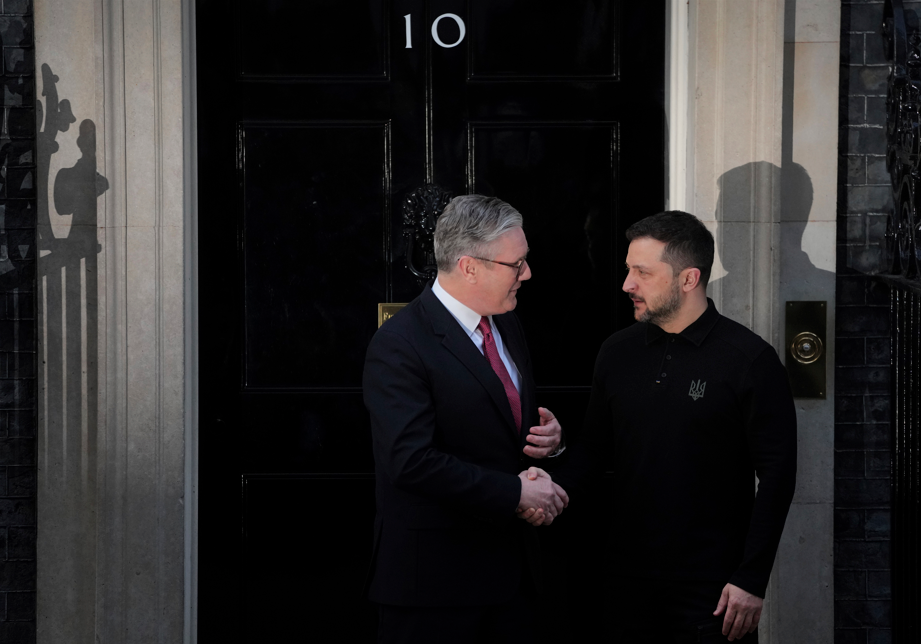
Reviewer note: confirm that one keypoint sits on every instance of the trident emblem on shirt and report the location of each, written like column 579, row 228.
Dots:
column 697, row 389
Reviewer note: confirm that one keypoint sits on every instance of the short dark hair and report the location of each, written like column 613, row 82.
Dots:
column 688, row 243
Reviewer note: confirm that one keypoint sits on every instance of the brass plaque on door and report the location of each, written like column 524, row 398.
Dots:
column 805, row 348
column 386, row 310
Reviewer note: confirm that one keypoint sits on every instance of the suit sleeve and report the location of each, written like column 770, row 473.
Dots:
column 398, row 396
column 771, row 435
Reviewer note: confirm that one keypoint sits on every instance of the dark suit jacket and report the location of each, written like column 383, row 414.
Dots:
column 447, row 456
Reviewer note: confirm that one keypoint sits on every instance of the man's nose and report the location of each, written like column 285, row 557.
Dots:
column 525, row 272
column 629, row 284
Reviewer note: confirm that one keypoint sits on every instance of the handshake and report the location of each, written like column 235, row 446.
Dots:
column 542, row 500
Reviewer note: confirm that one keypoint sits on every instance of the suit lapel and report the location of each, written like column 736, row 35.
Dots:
column 460, row 345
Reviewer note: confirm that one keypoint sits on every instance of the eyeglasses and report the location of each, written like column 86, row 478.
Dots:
column 518, row 266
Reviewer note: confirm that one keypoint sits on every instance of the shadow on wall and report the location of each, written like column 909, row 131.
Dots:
column 745, row 197
column 68, row 295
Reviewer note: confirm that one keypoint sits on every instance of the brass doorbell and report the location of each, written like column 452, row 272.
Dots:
column 805, row 348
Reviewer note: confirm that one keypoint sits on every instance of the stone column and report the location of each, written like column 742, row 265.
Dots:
column 112, row 322
column 761, row 173
column 735, row 71
column 803, row 585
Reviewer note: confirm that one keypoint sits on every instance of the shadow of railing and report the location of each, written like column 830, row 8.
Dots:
column 68, row 286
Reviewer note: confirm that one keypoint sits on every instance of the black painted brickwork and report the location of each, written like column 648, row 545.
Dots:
column 863, row 610
column 17, row 325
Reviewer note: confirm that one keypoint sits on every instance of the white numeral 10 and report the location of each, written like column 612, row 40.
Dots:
column 435, row 37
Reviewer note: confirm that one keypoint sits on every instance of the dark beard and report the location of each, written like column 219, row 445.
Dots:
column 666, row 311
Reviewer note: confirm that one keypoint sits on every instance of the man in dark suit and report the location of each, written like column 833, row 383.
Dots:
column 449, row 386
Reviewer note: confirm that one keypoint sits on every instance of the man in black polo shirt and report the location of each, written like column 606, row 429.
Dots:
column 686, row 407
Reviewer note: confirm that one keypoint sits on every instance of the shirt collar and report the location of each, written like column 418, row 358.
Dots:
column 467, row 317
column 696, row 332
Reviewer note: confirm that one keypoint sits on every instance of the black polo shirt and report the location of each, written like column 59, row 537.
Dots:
column 684, row 422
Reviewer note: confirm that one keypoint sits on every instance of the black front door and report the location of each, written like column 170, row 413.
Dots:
column 316, row 120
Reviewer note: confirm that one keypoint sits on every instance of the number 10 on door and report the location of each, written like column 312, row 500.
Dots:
column 435, row 37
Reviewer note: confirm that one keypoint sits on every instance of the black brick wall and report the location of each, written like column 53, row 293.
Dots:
column 17, row 325
column 863, row 610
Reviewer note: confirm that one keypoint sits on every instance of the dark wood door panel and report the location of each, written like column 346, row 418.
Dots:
column 305, row 559
column 579, row 42
column 319, row 432
column 313, row 231
column 319, row 39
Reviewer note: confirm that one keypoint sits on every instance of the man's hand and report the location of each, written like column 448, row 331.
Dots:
column 544, row 438
column 542, row 500
column 532, row 515
column 743, row 611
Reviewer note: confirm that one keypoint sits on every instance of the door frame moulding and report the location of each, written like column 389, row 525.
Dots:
column 190, row 309
column 677, row 61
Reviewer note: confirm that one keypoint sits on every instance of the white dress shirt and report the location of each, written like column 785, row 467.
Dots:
column 469, row 320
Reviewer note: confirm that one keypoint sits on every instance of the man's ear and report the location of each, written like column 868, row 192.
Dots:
column 468, row 268
column 690, row 278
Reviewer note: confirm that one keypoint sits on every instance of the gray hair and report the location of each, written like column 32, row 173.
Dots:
column 468, row 224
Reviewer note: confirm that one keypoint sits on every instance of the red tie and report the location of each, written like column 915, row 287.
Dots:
column 492, row 355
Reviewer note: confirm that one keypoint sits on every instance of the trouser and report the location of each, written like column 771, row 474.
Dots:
column 655, row 611
column 507, row 623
